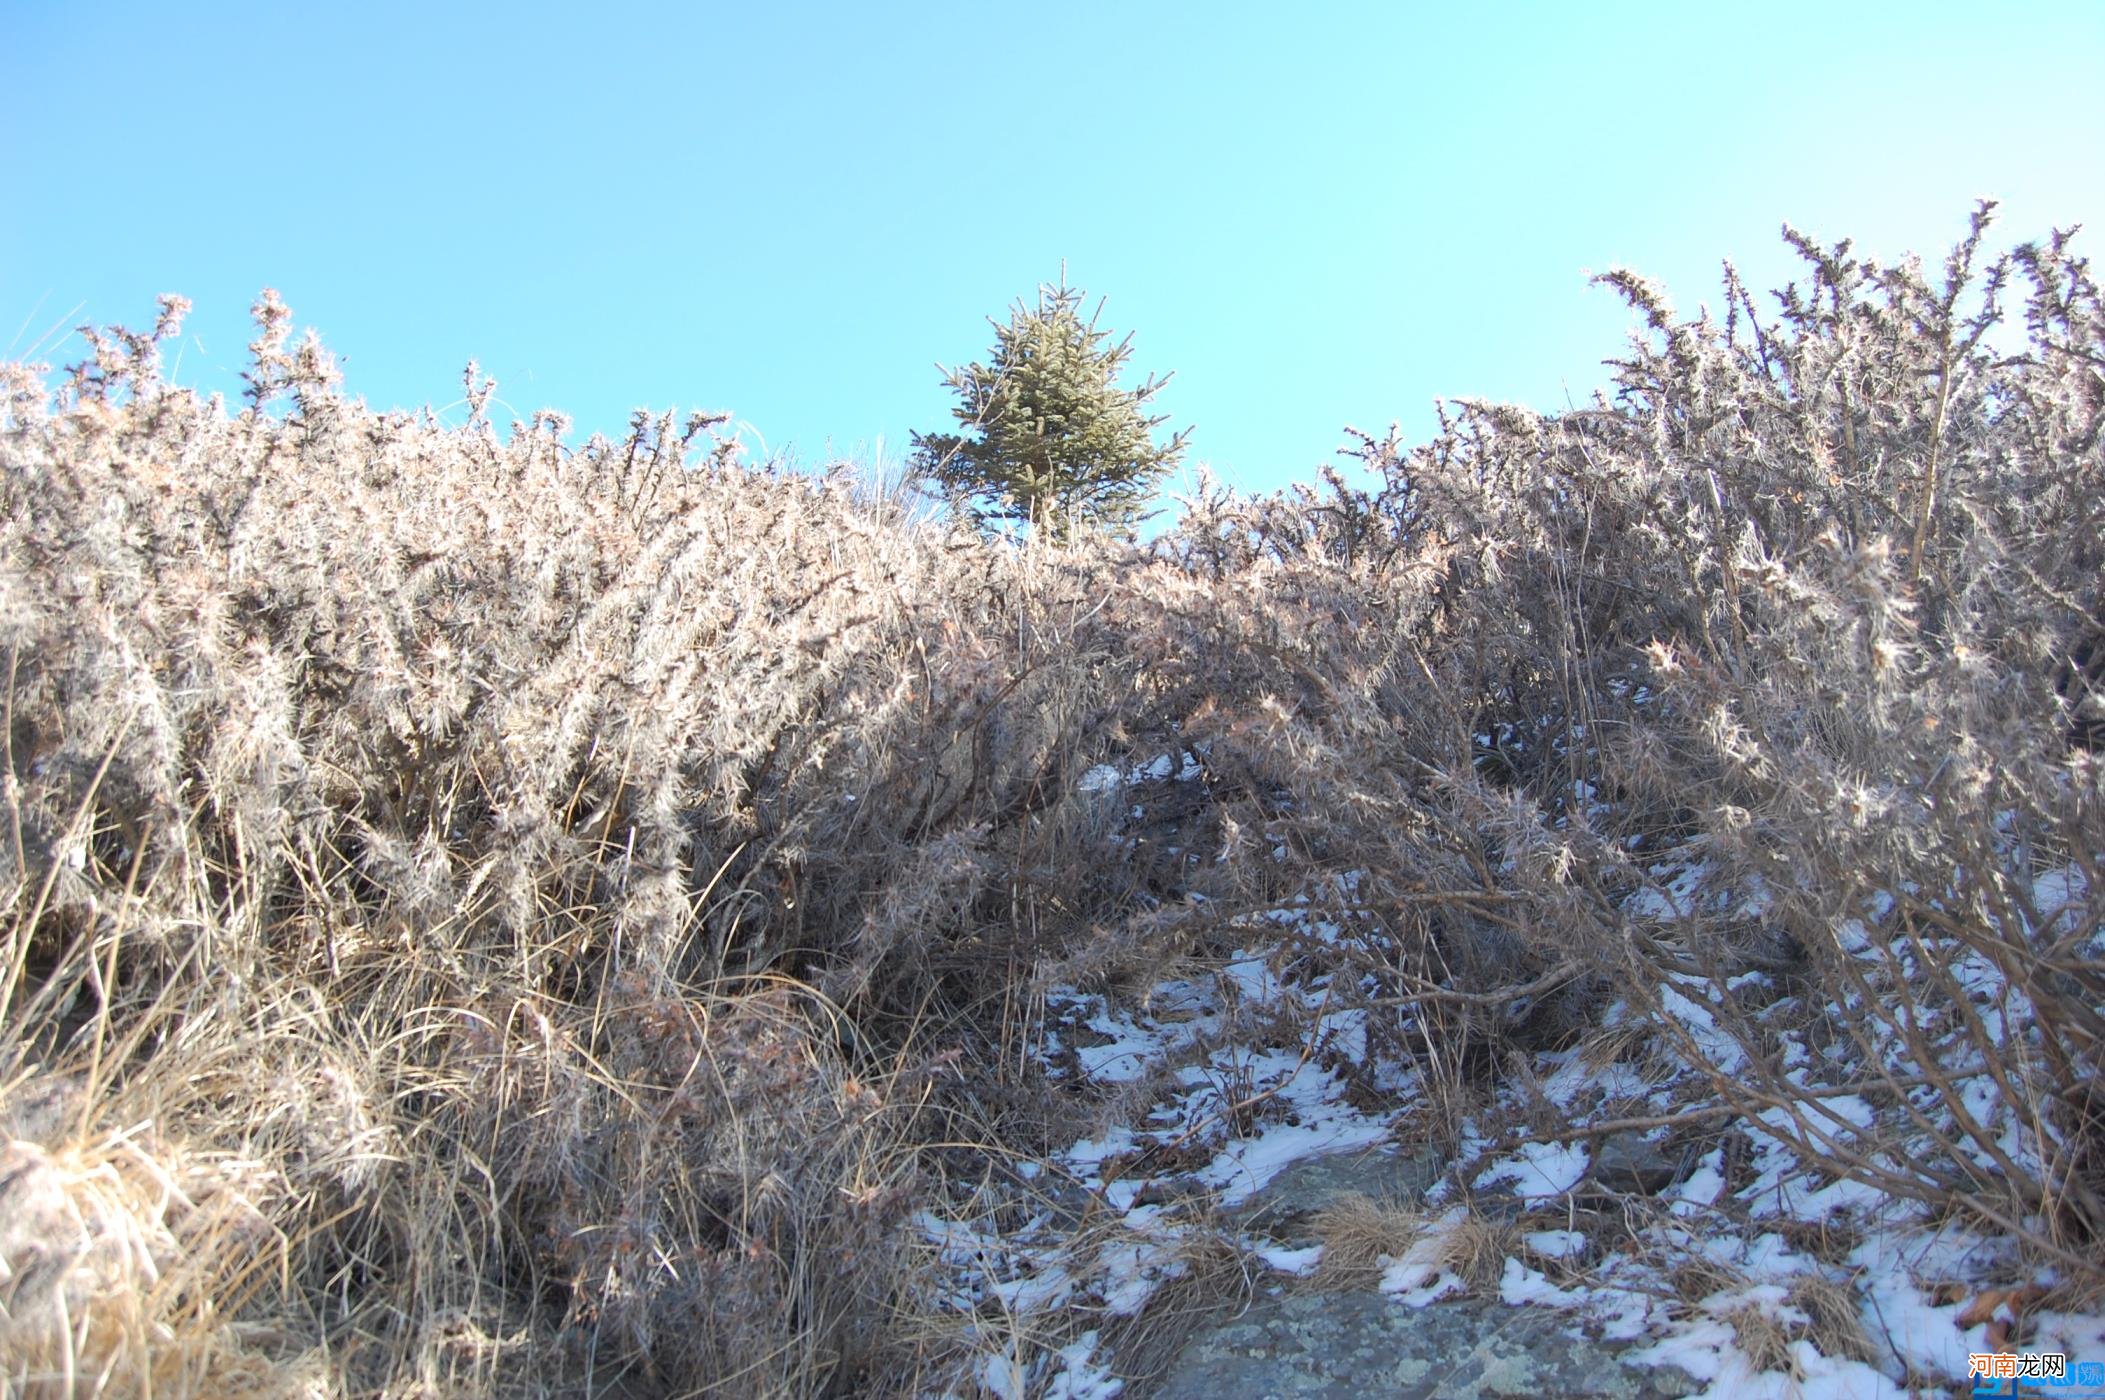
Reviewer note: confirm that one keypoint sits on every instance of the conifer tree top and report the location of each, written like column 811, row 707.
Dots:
column 1049, row 437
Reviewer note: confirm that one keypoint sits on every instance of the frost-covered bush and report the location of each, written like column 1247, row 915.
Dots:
column 1750, row 698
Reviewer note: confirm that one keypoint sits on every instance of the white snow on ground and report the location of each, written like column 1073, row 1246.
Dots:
column 1707, row 1351
column 1540, row 1169
column 1672, row 896
column 1226, row 1078
column 1135, row 1044
column 1108, row 777
column 1555, row 1244
column 1318, row 1125
column 1689, row 1004
column 1522, row 1284
column 1134, row 1268
column 1298, row 1262
column 1419, row 1277
column 2062, row 896
column 1081, row 1378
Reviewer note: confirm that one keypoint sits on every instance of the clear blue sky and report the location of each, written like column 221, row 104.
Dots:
column 793, row 211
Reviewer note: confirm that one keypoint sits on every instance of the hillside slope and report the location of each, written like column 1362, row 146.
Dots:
column 484, row 917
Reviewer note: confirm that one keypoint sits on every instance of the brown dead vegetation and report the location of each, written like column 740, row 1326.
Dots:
column 488, row 917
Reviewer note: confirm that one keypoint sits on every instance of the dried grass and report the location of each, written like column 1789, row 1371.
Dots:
column 1359, row 1234
column 1835, row 1323
column 485, row 916
column 1763, row 1339
column 1475, row 1249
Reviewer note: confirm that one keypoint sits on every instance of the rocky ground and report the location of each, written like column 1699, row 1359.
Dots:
column 1261, row 1206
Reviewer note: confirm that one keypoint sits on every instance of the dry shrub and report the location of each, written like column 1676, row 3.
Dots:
column 1835, row 1323
column 1698, row 1276
column 121, row 1265
column 1763, row 1339
column 1476, row 1247
column 1358, row 1233
column 1756, row 697
column 577, row 877
column 1208, row 1280
column 600, row 889
column 1813, row 1309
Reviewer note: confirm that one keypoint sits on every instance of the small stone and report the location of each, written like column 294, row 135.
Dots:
column 1632, row 1164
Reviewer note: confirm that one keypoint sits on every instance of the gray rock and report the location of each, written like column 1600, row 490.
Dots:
column 1358, row 1345
column 1632, row 1164
column 1312, row 1184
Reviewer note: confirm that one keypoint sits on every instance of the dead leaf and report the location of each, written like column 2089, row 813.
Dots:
column 1984, row 1307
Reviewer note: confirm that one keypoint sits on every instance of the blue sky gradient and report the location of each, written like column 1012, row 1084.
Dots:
column 792, row 212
